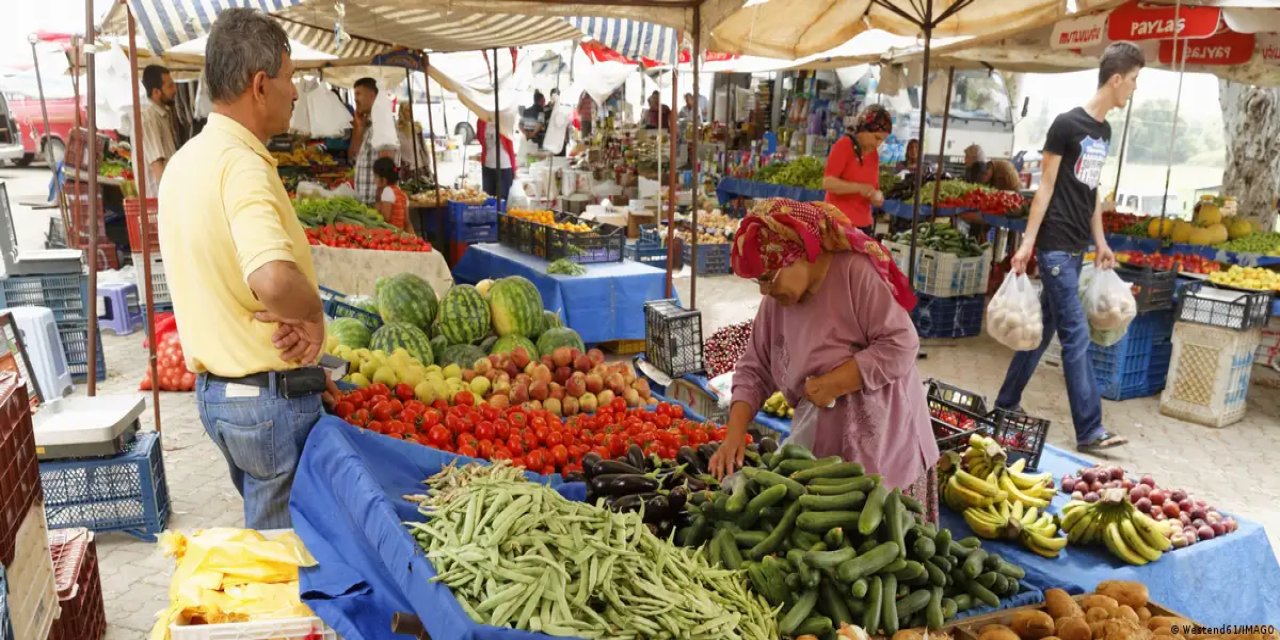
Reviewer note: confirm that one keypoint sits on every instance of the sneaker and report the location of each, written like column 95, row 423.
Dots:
column 1104, row 441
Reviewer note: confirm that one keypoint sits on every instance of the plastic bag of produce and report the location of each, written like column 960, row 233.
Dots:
column 1013, row 315
column 804, row 425
column 1108, row 304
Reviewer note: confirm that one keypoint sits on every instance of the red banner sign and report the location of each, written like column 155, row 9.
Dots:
column 1226, row 48
column 1141, row 21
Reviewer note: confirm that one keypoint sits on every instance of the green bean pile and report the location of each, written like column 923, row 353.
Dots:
column 517, row 554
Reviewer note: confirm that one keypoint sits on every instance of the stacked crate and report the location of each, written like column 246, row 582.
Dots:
column 951, row 290
column 67, row 295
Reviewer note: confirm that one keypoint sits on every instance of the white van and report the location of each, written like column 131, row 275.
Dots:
column 1147, row 202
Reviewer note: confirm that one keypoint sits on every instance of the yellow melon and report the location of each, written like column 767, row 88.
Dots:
column 1218, row 233
column 1209, row 215
column 1182, row 231
column 1238, row 228
column 1154, row 229
column 1200, row 235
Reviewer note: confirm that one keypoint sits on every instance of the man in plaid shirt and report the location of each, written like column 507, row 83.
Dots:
column 362, row 151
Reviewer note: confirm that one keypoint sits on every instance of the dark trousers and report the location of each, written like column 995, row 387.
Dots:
column 497, row 182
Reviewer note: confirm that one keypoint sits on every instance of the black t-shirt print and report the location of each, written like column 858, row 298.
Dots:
column 1082, row 142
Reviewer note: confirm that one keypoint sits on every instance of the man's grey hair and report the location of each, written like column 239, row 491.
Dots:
column 241, row 43
column 978, row 154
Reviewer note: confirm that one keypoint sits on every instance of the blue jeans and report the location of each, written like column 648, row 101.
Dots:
column 1062, row 311
column 261, row 436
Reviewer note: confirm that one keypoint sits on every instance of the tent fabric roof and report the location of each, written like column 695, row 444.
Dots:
column 794, row 29
column 164, row 24
column 632, row 38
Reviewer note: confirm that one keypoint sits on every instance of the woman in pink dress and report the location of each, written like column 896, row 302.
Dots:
column 834, row 330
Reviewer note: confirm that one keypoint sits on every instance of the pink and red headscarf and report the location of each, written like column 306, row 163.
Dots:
column 777, row 232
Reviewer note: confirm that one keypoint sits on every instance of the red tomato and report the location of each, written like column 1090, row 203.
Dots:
column 464, row 398
column 501, row 452
column 415, row 406
column 467, row 439
column 514, row 445
column 404, row 392
column 467, row 450
column 501, row 429
column 378, row 389
column 677, row 411
column 554, row 438
column 343, row 409
column 396, row 406
column 382, row 411
column 430, row 418
column 360, row 418
column 439, row 436
column 485, row 431
column 560, row 454
column 538, row 422
column 485, row 449
column 536, row 459
column 376, row 426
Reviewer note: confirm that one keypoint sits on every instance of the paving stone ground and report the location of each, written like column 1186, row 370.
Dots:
column 1231, row 467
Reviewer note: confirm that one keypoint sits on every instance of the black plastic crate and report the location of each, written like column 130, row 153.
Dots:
column 1021, row 435
column 604, row 243
column 968, row 410
column 1226, row 308
column 1152, row 290
column 645, row 254
column 673, row 337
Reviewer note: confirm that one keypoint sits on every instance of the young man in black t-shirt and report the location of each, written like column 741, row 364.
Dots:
column 1066, row 215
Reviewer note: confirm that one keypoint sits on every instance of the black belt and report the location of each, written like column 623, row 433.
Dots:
column 293, row 383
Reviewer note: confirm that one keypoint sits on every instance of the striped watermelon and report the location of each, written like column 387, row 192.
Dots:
column 551, row 320
column 464, row 315
column 395, row 335
column 349, row 332
column 487, row 343
column 438, row 345
column 463, row 355
column 507, row 344
column 559, row 337
column 516, row 307
column 407, row 298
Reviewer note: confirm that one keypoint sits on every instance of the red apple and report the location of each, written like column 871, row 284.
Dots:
column 595, row 383
column 569, row 406
column 552, row 406
column 562, row 356
column 1143, row 504
column 587, row 403
column 1178, row 495
column 520, row 357
column 562, row 374
column 605, row 397
column 1205, row 532
column 539, row 390
column 499, row 401
column 557, row 391
column 1117, row 473
column 1149, row 481
column 596, row 355
column 1171, row 509
column 1157, row 496
column 577, row 385
column 582, row 363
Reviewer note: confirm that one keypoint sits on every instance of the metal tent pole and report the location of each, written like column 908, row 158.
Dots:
column 671, row 189
column 942, row 144
column 924, row 119
column 77, row 49
column 435, row 167
column 1177, row 105
column 145, row 217
column 1124, row 143
column 44, row 114
column 497, row 132
column 413, row 129
column 91, row 215
column 696, row 185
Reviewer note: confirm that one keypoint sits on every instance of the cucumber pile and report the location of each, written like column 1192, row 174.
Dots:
column 829, row 544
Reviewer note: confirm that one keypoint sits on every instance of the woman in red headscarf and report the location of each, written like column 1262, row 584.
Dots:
column 833, row 332
column 852, row 176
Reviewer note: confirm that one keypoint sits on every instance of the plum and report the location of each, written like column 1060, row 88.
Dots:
column 1205, row 533
column 1117, row 473
column 1198, row 513
column 1171, row 509
column 1230, row 524
column 1197, row 523
column 1178, row 495
column 1092, row 496
column 1218, row 528
column 1185, row 505
column 1135, row 495
column 1088, row 476
column 1143, row 489
column 1068, row 484
column 1096, row 486
column 1127, row 484
column 1148, row 480
column 1143, row 504
column 1191, row 535
column 1157, row 496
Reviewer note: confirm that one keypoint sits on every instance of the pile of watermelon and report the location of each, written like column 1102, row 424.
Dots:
column 467, row 324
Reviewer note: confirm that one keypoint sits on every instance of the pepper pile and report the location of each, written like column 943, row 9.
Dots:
column 987, row 200
column 531, row 438
column 350, row 236
column 1187, row 263
column 1113, row 222
column 722, row 350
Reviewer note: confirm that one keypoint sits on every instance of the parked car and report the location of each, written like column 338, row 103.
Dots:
column 29, row 126
column 10, row 139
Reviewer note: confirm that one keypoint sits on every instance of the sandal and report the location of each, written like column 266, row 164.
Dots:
column 1104, row 441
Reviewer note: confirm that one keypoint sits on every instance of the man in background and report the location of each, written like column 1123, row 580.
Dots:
column 159, row 134
column 362, row 150
column 240, row 272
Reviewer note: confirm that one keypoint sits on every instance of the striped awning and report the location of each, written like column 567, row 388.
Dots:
column 632, row 38
column 373, row 26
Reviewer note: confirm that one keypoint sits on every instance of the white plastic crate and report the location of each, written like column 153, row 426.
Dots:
column 941, row 274
column 281, row 629
column 33, row 596
column 159, row 285
column 1268, row 351
column 697, row 399
column 1209, row 374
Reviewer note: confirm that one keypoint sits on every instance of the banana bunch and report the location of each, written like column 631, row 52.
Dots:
column 777, row 405
column 1128, row 533
column 1037, row 530
column 998, row 501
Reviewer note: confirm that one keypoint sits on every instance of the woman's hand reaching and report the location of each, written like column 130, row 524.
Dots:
column 728, row 458
column 822, row 391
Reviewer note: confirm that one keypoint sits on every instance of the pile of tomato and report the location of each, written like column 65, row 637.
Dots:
column 1184, row 262
column 954, row 418
column 1115, row 222
column 353, row 236
column 533, row 439
column 992, row 201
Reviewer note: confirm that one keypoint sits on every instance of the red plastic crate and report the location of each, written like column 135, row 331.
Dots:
column 75, row 568
column 108, row 256
column 456, row 250
column 19, row 471
column 133, row 219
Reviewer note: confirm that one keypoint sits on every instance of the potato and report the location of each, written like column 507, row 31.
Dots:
column 1155, row 623
column 1097, row 630
column 1032, row 625
column 1073, row 628
column 1097, row 614
column 1125, row 612
column 997, row 632
column 1144, row 614
column 1125, row 630
column 908, row 634
column 1134, row 594
column 1097, row 600
column 1060, row 604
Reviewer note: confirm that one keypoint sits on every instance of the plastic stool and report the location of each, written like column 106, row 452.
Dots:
column 43, row 343
column 120, row 310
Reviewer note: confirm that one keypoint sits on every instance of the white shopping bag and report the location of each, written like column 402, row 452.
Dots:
column 804, row 425
column 1013, row 315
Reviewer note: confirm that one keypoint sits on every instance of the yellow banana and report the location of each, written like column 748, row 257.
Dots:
column 1045, row 525
column 1115, row 543
column 1134, row 541
column 1017, row 494
column 1018, row 465
column 975, row 484
column 1017, row 512
column 1005, row 510
column 1150, row 532
column 1029, row 514
column 981, row 524
column 1046, row 546
column 965, row 496
column 1027, row 481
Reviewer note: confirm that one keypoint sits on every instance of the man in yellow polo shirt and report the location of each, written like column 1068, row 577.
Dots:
column 239, row 269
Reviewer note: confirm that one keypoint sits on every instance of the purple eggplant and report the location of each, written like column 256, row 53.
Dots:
column 621, row 484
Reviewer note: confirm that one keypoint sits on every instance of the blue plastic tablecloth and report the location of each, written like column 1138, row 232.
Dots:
column 730, row 188
column 902, row 209
column 1228, row 580
column 780, row 425
column 606, row 303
